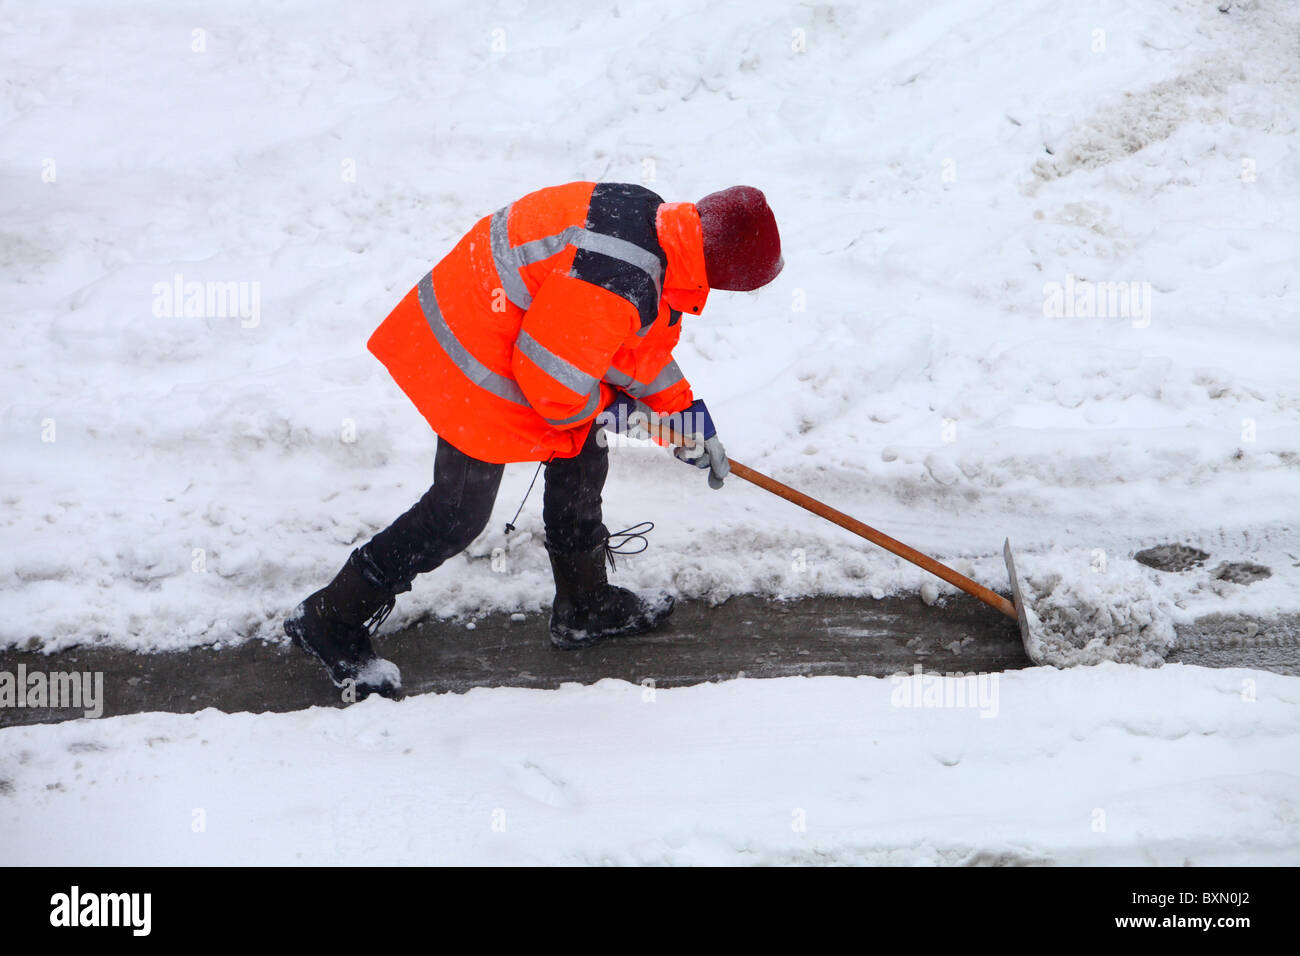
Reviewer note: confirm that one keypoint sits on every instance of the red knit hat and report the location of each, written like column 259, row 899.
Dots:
column 742, row 249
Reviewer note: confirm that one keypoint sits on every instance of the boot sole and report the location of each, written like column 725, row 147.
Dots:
column 562, row 643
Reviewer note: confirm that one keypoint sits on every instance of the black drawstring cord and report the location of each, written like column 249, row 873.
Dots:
column 629, row 536
column 376, row 620
column 510, row 525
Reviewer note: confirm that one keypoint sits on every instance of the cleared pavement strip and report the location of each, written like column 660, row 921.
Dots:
column 744, row 637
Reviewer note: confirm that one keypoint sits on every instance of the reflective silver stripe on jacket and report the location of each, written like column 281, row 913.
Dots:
column 474, row 370
column 510, row 259
column 563, row 371
column 670, row 375
column 502, row 254
column 590, row 408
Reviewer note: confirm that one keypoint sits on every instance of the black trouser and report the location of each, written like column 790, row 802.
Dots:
column 455, row 510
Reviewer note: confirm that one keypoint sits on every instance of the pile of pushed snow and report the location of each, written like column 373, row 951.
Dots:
column 1103, row 611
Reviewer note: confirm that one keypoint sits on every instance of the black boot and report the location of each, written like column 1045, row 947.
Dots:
column 334, row 626
column 588, row 608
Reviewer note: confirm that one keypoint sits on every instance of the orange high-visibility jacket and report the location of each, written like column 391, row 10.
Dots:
column 517, row 340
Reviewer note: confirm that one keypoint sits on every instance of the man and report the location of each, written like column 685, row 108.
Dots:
column 546, row 313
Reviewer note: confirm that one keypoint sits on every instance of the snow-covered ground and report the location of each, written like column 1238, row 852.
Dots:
column 171, row 481
column 951, row 180
column 1101, row 765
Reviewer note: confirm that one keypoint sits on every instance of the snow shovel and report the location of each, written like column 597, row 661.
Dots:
column 1014, row 608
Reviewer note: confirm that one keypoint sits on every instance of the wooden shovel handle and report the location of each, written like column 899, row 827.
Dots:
column 807, row 502
column 955, row 578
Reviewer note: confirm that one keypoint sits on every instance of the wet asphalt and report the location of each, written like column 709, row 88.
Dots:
column 743, row 637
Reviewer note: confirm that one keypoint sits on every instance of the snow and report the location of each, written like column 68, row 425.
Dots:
column 379, row 673
column 1102, row 765
column 173, row 480
column 1040, row 282
column 1106, row 614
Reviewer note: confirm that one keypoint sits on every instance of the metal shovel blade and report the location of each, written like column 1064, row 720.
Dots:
column 1018, row 598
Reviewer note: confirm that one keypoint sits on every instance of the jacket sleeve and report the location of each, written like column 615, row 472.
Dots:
column 649, row 372
column 565, row 345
